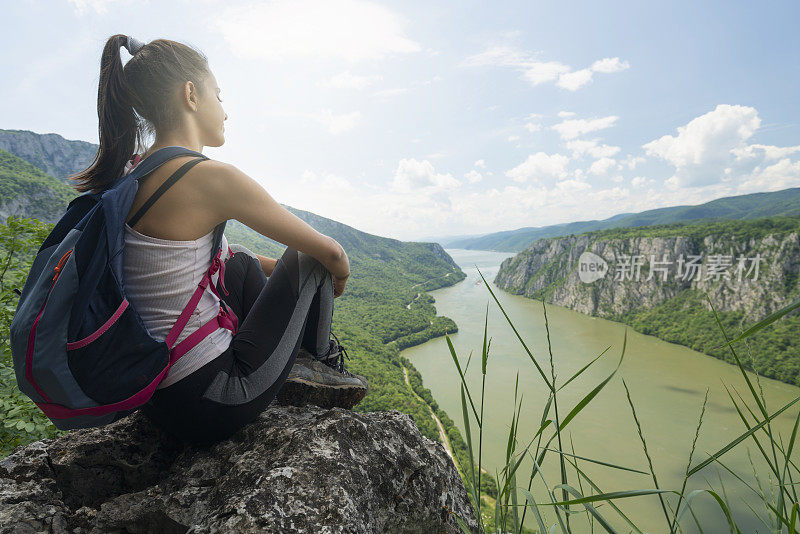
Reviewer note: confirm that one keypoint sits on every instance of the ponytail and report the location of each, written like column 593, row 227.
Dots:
column 117, row 122
column 137, row 99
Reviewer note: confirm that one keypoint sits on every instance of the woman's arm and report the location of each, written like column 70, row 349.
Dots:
column 229, row 193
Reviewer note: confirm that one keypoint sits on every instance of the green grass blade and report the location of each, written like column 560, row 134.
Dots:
column 592, row 394
column 576, row 375
column 596, row 488
column 538, row 367
column 535, row 508
column 741, row 438
column 688, row 502
column 461, row 374
column 591, row 509
column 611, row 495
column 738, row 361
column 468, row 435
column 601, row 463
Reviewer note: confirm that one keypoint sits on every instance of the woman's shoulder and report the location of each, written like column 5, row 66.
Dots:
column 223, row 182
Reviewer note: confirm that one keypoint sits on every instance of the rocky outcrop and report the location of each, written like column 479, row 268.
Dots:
column 50, row 152
column 294, row 469
column 549, row 269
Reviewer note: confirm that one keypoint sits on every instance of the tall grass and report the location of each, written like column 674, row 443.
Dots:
column 552, row 508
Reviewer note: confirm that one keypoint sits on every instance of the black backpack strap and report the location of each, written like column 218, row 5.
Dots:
column 177, row 175
column 218, row 231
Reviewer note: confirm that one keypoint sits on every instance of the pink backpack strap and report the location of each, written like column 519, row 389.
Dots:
column 224, row 319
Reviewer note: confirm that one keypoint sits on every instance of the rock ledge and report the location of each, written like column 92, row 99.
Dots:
column 294, row 469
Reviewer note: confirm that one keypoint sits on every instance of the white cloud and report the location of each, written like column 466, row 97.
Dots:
column 539, row 164
column 602, row 165
column 591, row 147
column 767, row 152
column 780, row 175
column 346, row 80
column 565, row 114
column 609, row 65
column 352, row 30
column 537, row 72
column 411, row 175
column 533, row 127
column 704, row 147
column 513, row 138
column 575, row 80
column 641, row 181
column 473, row 176
column 630, row 161
column 572, row 128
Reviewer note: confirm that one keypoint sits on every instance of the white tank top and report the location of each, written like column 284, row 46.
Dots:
column 160, row 276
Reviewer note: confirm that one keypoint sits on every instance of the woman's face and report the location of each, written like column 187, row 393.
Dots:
column 210, row 115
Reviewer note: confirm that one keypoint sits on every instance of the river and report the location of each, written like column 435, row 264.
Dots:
column 667, row 383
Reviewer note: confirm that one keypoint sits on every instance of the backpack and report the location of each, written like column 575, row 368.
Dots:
column 81, row 351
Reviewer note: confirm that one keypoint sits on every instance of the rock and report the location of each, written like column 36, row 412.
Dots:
column 548, row 268
column 294, row 469
column 49, row 152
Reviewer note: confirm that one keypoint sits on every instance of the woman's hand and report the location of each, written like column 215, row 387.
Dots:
column 267, row 264
column 338, row 285
column 339, row 269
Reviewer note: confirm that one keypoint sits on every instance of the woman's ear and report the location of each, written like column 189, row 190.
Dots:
column 190, row 95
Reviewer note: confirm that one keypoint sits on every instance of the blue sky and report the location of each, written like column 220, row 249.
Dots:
column 420, row 119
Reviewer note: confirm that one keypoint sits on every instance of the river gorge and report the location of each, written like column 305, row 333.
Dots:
column 667, row 384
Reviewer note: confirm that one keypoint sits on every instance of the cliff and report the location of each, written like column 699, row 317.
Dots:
column 294, row 469
column 50, row 152
column 656, row 279
column 549, row 268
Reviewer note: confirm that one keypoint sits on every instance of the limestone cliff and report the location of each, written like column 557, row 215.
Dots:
column 549, row 268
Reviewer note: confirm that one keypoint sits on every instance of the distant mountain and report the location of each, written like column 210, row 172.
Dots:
column 753, row 206
column 50, row 152
column 27, row 191
column 444, row 240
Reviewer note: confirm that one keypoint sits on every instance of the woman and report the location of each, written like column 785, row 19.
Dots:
column 284, row 307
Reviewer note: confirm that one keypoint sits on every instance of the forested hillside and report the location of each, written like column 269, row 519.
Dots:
column 27, row 191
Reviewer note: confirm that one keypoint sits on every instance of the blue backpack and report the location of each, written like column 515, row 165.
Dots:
column 80, row 350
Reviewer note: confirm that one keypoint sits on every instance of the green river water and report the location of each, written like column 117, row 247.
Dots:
column 667, row 383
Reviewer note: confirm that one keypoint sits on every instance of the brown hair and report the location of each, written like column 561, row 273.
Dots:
column 136, row 100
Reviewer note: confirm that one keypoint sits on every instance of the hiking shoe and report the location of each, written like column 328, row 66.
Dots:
column 323, row 380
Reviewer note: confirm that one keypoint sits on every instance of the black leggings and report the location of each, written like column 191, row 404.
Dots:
column 277, row 315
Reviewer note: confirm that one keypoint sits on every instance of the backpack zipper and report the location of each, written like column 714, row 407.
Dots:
column 60, row 265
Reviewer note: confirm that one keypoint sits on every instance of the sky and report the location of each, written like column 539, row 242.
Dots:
column 416, row 120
